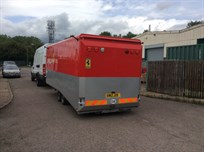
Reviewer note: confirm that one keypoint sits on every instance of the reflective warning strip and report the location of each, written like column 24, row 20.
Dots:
column 127, row 100
column 95, row 102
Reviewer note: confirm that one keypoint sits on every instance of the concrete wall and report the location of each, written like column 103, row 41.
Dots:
column 186, row 36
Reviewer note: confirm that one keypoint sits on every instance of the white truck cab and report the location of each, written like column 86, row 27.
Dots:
column 38, row 71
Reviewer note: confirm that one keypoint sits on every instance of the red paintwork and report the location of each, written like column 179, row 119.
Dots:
column 69, row 56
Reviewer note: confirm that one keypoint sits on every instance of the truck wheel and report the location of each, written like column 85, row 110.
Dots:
column 59, row 96
column 63, row 100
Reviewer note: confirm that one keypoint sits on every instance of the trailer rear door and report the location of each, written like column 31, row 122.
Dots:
column 106, row 57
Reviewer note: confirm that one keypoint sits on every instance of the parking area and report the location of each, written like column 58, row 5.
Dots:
column 35, row 121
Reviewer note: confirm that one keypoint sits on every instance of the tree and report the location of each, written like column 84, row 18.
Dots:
column 129, row 35
column 28, row 46
column 18, row 48
column 105, row 33
column 193, row 23
column 146, row 31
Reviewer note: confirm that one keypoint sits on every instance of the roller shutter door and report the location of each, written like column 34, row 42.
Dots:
column 155, row 54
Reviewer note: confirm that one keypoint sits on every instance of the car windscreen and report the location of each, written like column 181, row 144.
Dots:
column 8, row 62
column 11, row 68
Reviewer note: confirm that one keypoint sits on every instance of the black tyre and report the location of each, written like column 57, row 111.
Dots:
column 59, row 96
column 63, row 101
column 32, row 78
column 39, row 82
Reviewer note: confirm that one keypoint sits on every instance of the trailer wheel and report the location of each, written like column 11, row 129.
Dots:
column 63, row 100
column 59, row 96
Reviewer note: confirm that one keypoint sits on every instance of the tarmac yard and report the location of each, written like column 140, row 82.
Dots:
column 35, row 122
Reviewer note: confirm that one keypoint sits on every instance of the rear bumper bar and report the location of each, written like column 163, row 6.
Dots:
column 108, row 108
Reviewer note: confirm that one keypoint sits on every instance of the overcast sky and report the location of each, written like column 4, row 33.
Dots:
column 72, row 17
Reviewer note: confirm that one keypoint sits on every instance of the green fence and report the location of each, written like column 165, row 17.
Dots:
column 189, row 52
column 179, row 78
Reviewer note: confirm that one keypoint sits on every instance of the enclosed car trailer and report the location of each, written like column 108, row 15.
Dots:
column 96, row 73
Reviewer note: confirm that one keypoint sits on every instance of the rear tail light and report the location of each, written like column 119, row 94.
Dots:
column 44, row 69
column 81, row 101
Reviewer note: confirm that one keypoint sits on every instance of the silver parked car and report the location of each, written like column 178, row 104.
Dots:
column 11, row 71
column 5, row 63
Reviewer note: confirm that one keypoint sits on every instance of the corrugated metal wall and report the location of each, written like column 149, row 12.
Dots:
column 190, row 52
column 179, row 78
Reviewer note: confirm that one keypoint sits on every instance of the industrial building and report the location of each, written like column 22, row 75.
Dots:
column 182, row 44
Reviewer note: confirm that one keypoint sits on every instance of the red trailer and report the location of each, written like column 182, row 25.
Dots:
column 96, row 73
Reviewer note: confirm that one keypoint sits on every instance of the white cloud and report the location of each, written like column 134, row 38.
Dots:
column 107, row 7
column 85, row 9
column 88, row 16
column 164, row 5
column 65, row 27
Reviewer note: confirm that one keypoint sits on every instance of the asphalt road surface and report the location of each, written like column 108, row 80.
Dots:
column 36, row 122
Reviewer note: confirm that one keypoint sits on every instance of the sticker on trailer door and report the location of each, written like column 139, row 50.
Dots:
column 88, row 63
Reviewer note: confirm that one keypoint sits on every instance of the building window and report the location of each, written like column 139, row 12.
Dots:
column 200, row 41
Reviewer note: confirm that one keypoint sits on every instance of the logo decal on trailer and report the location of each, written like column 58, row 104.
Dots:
column 88, row 63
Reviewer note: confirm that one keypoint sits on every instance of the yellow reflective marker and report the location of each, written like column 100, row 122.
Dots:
column 88, row 63
column 113, row 95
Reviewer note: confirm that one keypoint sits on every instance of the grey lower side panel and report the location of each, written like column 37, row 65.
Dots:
column 67, row 85
column 93, row 88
